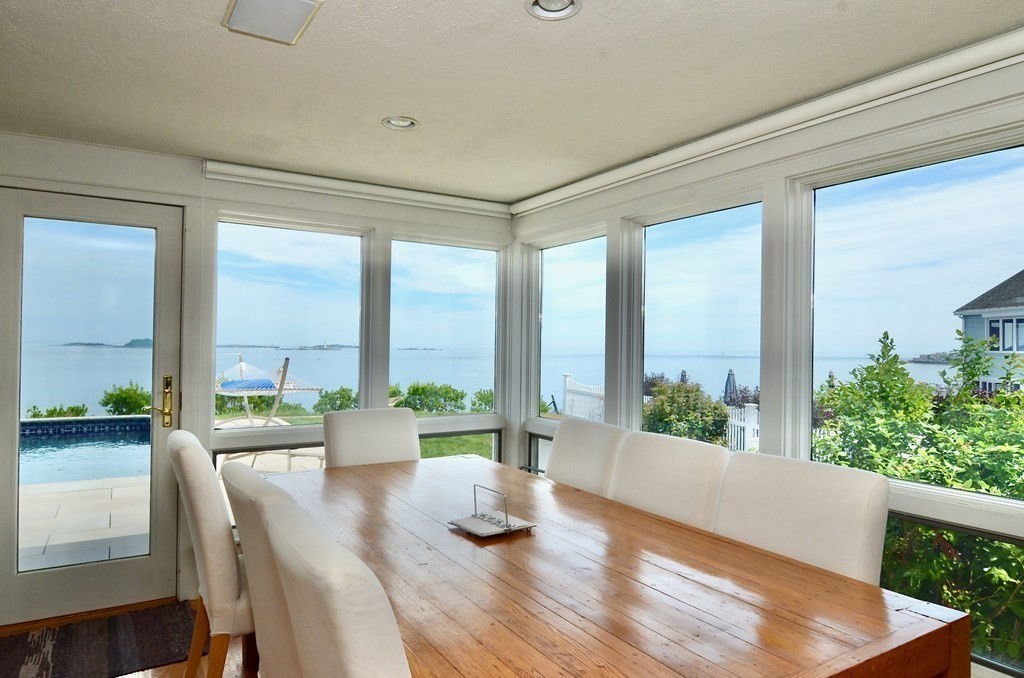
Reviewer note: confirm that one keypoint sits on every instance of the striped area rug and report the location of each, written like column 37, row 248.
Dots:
column 100, row 648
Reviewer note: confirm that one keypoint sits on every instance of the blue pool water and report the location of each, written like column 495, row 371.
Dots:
column 63, row 458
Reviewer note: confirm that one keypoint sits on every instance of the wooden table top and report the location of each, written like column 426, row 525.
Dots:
column 601, row 588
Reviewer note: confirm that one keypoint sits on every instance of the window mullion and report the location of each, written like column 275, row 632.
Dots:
column 786, row 319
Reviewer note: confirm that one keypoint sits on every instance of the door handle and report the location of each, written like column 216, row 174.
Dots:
column 168, row 401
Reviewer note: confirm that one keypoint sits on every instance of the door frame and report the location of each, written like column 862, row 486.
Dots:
column 54, row 592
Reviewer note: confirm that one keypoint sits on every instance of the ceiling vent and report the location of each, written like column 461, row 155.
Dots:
column 279, row 20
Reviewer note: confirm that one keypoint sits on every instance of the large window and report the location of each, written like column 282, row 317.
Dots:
column 702, row 327
column 442, row 328
column 287, row 325
column 917, row 287
column 572, row 329
column 917, row 292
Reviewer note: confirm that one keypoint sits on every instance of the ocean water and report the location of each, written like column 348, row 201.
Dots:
column 68, row 375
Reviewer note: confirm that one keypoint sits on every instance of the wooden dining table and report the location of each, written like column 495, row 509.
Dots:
column 601, row 588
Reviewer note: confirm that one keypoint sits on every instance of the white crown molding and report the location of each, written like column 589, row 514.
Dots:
column 223, row 171
column 990, row 55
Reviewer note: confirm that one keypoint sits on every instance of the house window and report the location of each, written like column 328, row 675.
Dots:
column 288, row 309
column 702, row 327
column 1006, row 334
column 572, row 329
column 443, row 328
column 993, row 333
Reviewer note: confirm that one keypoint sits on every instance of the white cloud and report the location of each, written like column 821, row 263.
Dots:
column 905, row 259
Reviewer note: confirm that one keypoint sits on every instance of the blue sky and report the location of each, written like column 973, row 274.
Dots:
column 902, row 251
column 87, row 282
column 898, row 252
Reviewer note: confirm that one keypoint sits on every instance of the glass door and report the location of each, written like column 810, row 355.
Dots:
column 88, row 359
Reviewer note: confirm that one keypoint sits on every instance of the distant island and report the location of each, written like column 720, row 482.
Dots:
column 942, row 357
column 411, row 348
column 317, row 347
column 134, row 343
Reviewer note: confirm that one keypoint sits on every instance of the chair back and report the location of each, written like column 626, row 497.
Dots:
column 583, row 453
column 221, row 580
column 677, row 478
column 250, row 496
column 829, row 516
column 345, row 621
column 373, row 436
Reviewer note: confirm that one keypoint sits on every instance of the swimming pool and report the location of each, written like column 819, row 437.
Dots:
column 87, row 449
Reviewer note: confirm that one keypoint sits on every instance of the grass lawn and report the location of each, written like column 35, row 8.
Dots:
column 479, row 443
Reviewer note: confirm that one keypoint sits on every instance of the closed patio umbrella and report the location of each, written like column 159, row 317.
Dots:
column 731, row 391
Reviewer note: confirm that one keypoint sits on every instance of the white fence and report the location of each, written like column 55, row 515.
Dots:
column 744, row 427
column 581, row 400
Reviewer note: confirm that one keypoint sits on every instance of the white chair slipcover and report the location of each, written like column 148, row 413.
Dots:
column 344, row 621
column 373, row 436
column 677, row 478
column 829, row 516
column 224, row 606
column 583, row 453
column 250, row 495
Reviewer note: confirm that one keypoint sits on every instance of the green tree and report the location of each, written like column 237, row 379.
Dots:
column 434, row 398
column 57, row 412
column 483, row 401
column 130, row 399
column 332, row 401
column 684, row 410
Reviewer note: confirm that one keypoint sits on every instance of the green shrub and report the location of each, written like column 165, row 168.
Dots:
column 684, row 410
column 483, row 401
column 434, row 398
column 130, row 399
column 234, row 406
column 56, row 412
column 332, row 401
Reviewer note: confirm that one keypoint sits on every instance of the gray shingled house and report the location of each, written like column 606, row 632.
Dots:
column 997, row 313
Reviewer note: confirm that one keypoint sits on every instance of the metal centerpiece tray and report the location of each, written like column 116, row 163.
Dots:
column 484, row 524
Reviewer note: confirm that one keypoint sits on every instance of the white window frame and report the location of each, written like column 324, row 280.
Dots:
column 920, row 126
column 377, row 235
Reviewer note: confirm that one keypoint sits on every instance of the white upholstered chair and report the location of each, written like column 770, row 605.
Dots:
column 374, row 436
column 224, row 610
column 583, row 452
column 250, row 496
column 345, row 623
column 677, row 478
column 829, row 516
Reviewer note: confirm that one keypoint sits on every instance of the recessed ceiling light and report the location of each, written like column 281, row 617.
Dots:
column 553, row 10
column 278, row 20
column 399, row 122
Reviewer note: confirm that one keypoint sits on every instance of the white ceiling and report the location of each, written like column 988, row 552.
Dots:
column 509, row 106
